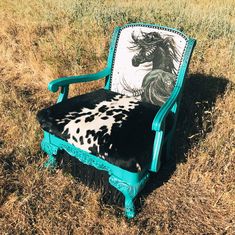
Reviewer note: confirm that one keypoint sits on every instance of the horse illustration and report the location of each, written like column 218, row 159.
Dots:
column 158, row 83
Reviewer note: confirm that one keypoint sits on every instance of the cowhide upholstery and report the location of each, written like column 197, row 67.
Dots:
column 107, row 124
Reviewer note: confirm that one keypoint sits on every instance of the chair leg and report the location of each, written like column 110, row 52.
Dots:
column 129, row 191
column 129, row 207
column 51, row 150
column 51, row 162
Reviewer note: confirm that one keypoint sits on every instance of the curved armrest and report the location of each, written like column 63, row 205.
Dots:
column 65, row 81
column 158, row 127
column 158, row 121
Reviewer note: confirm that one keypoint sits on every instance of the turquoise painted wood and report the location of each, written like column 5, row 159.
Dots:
column 171, row 104
column 129, row 183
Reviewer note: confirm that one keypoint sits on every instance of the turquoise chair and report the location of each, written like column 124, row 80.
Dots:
column 122, row 128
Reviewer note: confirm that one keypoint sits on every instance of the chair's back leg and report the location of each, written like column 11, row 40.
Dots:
column 169, row 149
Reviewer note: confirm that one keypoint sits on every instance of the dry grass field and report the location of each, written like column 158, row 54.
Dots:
column 41, row 40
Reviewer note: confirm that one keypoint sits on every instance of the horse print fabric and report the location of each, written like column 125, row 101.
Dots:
column 146, row 62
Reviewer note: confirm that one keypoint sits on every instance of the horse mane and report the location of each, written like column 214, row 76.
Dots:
column 165, row 44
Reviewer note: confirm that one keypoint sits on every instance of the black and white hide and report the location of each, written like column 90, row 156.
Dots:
column 109, row 125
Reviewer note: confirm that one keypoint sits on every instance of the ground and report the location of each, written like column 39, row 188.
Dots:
column 45, row 39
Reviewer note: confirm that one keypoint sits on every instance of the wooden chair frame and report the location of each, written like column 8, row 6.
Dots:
column 129, row 183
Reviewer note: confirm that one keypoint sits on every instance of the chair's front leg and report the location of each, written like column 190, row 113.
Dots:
column 129, row 191
column 51, row 150
column 129, row 207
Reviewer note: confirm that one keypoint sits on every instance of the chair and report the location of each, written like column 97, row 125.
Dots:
column 122, row 128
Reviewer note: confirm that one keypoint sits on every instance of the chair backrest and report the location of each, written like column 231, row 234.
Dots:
column 146, row 61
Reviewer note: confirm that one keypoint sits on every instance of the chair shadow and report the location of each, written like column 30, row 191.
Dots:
column 200, row 94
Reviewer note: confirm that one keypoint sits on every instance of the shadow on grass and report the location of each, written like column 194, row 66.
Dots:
column 200, row 94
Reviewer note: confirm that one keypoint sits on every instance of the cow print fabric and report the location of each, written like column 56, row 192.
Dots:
column 107, row 124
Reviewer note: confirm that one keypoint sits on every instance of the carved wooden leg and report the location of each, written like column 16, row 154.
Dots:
column 130, row 191
column 129, row 207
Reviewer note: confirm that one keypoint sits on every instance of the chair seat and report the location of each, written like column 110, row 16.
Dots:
column 107, row 124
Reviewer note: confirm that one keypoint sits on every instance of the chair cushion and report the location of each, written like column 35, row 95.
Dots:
column 107, row 124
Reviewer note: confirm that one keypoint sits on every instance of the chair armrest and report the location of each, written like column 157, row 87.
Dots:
column 161, row 115
column 159, row 119
column 158, row 126
column 54, row 85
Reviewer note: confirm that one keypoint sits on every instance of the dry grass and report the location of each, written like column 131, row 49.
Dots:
column 41, row 40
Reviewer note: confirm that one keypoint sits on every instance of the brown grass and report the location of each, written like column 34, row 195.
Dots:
column 44, row 39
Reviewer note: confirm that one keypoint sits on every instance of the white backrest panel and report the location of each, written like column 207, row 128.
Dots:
column 146, row 62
